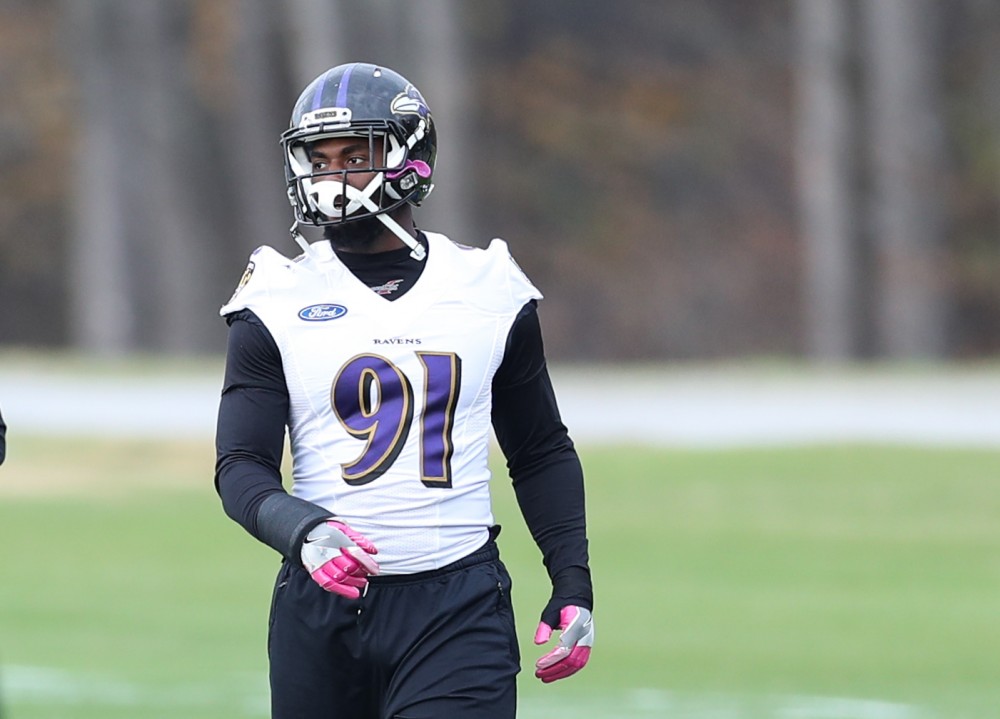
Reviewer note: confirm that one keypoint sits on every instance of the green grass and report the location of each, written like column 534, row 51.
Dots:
column 821, row 583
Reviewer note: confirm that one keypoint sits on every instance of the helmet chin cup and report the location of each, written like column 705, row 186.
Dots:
column 338, row 201
column 328, row 198
column 324, row 198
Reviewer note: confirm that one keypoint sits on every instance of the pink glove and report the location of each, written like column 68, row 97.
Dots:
column 336, row 557
column 572, row 651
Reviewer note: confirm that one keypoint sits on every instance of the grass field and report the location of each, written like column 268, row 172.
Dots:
column 810, row 583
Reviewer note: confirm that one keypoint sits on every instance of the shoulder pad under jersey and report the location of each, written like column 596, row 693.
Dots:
column 265, row 266
column 521, row 289
column 492, row 278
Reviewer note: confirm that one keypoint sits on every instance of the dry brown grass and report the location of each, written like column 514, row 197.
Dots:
column 51, row 466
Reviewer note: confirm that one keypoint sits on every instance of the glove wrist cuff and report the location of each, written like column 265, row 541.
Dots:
column 283, row 521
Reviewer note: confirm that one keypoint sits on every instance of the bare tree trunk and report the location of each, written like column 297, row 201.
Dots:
column 908, row 161
column 103, row 317
column 986, row 13
column 175, row 294
column 441, row 59
column 825, row 143
column 140, row 279
column 261, row 108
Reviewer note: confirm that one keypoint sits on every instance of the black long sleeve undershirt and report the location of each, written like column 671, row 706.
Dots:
column 541, row 459
column 542, row 462
column 250, row 432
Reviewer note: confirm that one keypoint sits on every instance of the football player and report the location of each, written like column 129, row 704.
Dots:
column 388, row 353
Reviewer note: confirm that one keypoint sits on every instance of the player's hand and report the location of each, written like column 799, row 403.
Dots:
column 573, row 649
column 337, row 558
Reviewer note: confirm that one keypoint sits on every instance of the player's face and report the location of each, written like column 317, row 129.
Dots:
column 335, row 154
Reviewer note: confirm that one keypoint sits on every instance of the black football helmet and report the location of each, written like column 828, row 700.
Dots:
column 368, row 101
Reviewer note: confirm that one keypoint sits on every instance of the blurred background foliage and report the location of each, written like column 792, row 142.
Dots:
column 683, row 179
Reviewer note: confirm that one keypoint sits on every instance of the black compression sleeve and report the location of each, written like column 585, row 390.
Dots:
column 542, row 461
column 250, row 436
column 3, row 440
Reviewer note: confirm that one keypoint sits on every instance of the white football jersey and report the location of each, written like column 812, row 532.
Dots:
column 390, row 400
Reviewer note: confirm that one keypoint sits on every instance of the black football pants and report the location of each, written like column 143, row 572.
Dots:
column 433, row 645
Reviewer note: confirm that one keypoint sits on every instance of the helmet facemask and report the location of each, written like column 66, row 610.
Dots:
column 325, row 197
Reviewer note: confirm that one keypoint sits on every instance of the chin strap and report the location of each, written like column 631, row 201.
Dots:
column 417, row 251
column 326, row 194
column 299, row 239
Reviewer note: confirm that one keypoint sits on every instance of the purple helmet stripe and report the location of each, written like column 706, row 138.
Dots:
column 318, row 97
column 342, row 92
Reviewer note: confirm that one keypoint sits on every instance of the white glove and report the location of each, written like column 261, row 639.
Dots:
column 336, row 557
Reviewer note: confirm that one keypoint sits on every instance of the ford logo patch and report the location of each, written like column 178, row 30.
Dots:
column 322, row 313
